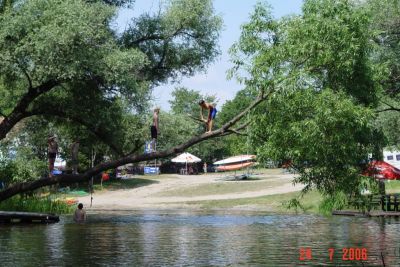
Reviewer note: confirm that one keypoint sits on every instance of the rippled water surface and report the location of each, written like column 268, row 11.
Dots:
column 160, row 238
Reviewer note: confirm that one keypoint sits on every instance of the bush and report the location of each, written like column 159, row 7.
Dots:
column 36, row 204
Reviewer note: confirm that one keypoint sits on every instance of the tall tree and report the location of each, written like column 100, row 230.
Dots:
column 322, row 82
column 60, row 59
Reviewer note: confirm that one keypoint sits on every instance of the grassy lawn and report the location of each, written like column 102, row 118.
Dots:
column 111, row 185
column 275, row 203
column 118, row 184
column 223, row 187
column 392, row 186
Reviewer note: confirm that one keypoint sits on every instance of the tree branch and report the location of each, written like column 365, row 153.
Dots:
column 148, row 38
column 162, row 59
column 391, row 108
column 27, row 77
column 234, row 131
column 136, row 147
column 388, row 109
column 19, row 112
column 153, row 37
column 69, row 178
column 58, row 113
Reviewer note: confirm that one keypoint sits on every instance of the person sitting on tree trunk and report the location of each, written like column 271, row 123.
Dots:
column 52, row 151
column 212, row 111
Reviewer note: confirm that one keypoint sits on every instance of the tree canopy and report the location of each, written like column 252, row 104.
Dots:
column 64, row 70
column 324, row 84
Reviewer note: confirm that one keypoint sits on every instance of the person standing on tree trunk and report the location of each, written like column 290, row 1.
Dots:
column 52, row 151
column 74, row 156
column 154, row 130
column 212, row 111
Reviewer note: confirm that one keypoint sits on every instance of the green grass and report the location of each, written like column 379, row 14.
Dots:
column 119, row 184
column 36, row 204
column 392, row 186
column 273, row 203
column 223, row 187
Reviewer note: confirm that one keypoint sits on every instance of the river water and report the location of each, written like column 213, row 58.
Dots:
column 188, row 238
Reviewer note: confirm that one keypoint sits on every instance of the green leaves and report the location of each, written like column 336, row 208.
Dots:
column 328, row 46
column 185, row 101
column 58, row 40
column 319, row 69
column 180, row 40
column 325, row 135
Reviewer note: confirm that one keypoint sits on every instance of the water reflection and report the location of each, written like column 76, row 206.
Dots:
column 153, row 238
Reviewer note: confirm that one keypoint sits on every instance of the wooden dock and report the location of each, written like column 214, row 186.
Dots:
column 366, row 214
column 27, row 217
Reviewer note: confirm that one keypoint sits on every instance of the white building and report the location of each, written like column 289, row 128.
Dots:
column 392, row 157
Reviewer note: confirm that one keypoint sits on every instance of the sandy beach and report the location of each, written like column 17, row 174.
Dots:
column 168, row 191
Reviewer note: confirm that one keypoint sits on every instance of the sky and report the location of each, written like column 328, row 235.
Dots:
column 213, row 82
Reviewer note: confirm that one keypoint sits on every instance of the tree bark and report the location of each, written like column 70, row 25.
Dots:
column 20, row 110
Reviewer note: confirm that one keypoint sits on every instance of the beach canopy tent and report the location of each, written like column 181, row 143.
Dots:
column 382, row 170
column 186, row 158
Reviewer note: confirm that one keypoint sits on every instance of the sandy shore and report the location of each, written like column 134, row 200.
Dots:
column 155, row 195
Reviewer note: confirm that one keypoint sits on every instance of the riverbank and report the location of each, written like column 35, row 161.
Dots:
column 265, row 190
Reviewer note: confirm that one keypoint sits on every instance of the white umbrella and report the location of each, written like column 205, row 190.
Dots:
column 186, row 158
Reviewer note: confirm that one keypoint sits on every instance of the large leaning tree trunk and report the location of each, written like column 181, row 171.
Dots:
column 226, row 129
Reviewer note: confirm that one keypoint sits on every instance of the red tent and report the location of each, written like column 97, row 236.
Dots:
column 382, row 170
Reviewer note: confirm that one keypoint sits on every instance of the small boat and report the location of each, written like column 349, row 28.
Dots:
column 235, row 159
column 234, row 167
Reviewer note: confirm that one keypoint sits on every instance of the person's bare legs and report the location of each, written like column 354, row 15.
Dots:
column 209, row 126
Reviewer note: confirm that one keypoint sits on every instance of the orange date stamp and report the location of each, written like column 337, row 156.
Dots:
column 345, row 254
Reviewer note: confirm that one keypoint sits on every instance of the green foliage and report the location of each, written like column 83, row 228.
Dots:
column 237, row 144
column 326, row 47
column 35, row 204
column 178, row 125
column 294, row 204
column 185, row 101
column 7, row 169
column 180, row 39
column 55, row 40
column 24, row 167
column 102, row 80
column 337, row 201
column 385, row 16
column 175, row 129
column 321, row 76
column 325, row 135
column 70, row 42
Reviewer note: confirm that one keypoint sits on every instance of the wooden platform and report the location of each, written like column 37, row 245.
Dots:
column 27, row 217
column 366, row 214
